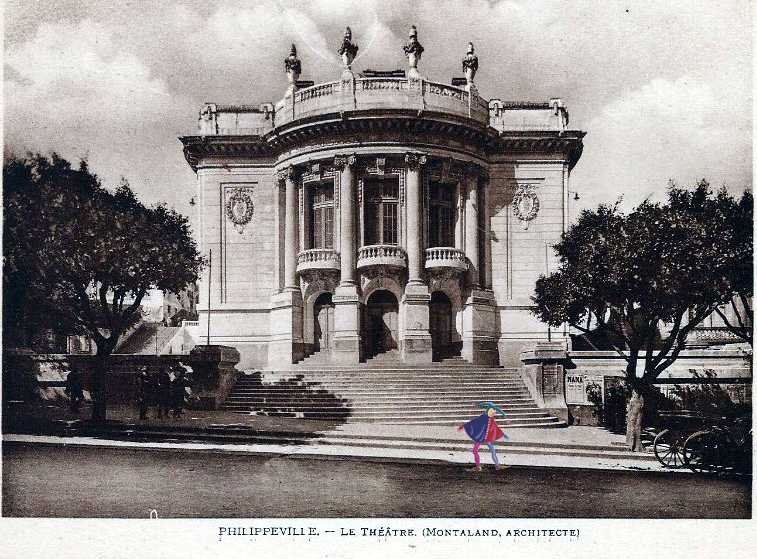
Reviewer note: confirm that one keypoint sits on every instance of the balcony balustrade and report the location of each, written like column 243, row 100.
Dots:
column 446, row 257
column 317, row 259
column 381, row 93
column 381, row 255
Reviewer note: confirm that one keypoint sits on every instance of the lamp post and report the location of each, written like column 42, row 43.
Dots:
column 210, row 277
column 546, row 266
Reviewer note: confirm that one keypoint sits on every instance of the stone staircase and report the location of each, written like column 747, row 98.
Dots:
column 150, row 338
column 383, row 390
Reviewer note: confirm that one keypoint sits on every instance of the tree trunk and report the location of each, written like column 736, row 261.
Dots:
column 634, row 414
column 99, row 393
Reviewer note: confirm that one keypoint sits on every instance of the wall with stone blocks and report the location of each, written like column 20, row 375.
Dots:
column 521, row 250
column 245, row 258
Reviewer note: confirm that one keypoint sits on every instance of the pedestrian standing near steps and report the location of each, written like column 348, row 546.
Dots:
column 163, row 393
column 484, row 429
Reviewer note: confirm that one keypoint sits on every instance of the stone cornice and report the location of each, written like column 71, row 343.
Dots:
column 198, row 147
column 427, row 128
column 567, row 142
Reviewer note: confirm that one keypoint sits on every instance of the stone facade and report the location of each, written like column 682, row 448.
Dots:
column 374, row 214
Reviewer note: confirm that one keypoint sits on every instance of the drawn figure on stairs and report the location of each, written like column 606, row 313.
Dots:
column 484, row 429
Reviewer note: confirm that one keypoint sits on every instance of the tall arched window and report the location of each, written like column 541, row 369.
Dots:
column 380, row 211
column 441, row 219
column 322, row 216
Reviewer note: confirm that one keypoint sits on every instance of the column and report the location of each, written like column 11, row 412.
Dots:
column 291, row 238
column 471, row 227
column 415, row 251
column 459, row 208
column 285, row 345
column 479, row 310
column 486, row 281
column 346, row 218
column 415, row 337
column 346, row 346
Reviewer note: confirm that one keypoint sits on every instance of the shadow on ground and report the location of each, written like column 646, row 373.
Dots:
column 294, row 397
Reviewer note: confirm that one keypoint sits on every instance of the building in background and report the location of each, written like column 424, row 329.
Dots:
column 161, row 314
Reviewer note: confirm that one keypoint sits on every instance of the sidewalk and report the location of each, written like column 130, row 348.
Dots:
column 211, row 431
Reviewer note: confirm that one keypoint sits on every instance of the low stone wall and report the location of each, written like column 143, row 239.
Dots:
column 30, row 376
column 33, row 375
column 600, row 371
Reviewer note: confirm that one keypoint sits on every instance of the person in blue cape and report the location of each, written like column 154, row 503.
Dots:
column 484, row 429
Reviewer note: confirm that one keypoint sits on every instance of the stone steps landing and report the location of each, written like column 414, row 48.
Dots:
column 410, row 395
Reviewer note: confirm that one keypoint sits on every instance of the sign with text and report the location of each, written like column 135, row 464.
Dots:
column 575, row 389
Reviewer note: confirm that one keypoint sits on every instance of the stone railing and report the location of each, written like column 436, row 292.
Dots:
column 445, row 257
column 317, row 259
column 381, row 93
column 381, row 255
column 712, row 335
column 235, row 120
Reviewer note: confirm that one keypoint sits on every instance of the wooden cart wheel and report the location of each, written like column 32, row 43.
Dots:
column 702, row 452
column 668, row 449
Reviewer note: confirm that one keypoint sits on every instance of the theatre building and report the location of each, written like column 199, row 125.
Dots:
column 381, row 215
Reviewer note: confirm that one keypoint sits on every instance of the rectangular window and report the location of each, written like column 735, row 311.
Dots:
column 322, row 216
column 441, row 227
column 380, row 211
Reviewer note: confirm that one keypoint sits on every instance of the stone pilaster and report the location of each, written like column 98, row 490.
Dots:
column 544, row 374
column 286, row 345
column 346, row 346
column 416, row 340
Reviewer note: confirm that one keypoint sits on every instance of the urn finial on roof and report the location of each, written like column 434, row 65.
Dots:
column 470, row 65
column 413, row 50
column 293, row 68
column 348, row 49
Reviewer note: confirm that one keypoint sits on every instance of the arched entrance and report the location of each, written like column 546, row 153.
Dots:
column 323, row 327
column 380, row 330
column 441, row 326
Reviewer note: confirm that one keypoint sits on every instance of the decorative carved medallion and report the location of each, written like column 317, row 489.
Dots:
column 525, row 204
column 239, row 207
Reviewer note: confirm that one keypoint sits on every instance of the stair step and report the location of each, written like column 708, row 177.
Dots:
column 469, row 394
column 402, row 368
column 382, row 412
column 397, row 400
column 433, row 381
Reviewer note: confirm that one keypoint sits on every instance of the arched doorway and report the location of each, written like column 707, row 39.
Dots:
column 441, row 326
column 323, row 327
column 380, row 330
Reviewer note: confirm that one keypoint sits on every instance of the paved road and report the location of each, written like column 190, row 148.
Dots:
column 54, row 481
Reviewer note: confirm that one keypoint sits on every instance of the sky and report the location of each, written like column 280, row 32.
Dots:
column 663, row 89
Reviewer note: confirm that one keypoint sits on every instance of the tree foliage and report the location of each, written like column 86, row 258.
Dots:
column 627, row 274
column 86, row 255
column 648, row 277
